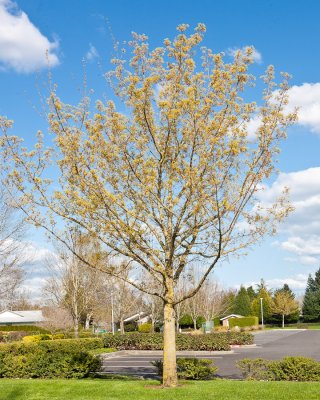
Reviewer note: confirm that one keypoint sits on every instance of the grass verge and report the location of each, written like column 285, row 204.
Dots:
column 90, row 389
column 96, row 352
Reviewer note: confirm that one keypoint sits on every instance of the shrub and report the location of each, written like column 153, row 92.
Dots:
column 154, row 341
column 296, row 369
column 191, row 368
column 257, row 369
column 287, row 369
column 25, row 328
column 243, row 322
column 200, row 321
column 145, row 328
column 49, row 359
column 36, row 338
column 186, row 321
column 131, row 327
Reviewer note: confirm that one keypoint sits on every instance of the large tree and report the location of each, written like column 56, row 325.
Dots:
column 169, row 177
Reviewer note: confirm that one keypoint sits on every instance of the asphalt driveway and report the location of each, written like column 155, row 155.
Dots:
column 270, row 345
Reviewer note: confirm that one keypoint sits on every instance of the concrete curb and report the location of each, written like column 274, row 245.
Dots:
column 160, row 352
column 243, row 346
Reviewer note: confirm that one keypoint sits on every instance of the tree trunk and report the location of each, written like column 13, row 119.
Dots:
column 121, row 326
column 282, row 320
column 195, row 324
column 177, row 326
column 169, row 378
column 76, row 329
column 87, row 323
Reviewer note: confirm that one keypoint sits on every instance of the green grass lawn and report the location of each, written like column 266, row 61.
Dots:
column 98, row 389
column 312, row 325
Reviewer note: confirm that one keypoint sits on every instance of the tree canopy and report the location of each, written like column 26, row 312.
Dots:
column 165, row 177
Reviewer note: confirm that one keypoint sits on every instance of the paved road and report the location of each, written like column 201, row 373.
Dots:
column 270, row 345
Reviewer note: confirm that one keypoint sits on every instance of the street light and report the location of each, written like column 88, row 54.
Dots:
column 261, row 306
column 112, row 314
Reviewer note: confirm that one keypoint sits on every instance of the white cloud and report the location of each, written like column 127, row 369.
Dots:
column 307, row 98
column 92, row 53
column 256, row 55
column 302, row 228
column 296, row 282
column 22, row 46
column 33, row 286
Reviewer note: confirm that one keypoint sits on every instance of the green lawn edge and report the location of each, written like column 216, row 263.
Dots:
column 95, row 389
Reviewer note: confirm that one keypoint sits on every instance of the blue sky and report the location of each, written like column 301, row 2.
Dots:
column 284, row 33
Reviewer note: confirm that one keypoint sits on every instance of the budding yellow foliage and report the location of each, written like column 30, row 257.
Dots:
column 173, row 179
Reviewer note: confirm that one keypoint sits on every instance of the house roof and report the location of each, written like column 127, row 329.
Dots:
column 136, row 317
column 25, row 317
column 231, row 316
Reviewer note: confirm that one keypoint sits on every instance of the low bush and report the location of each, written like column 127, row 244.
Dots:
column 49, row 359
column 154, row 341
column 145, row 328
column 25, row 328
column 191, row 368
column 288, row 369
column 243, row 322
column 296, row 369
column 36, row 338
column 256, row 369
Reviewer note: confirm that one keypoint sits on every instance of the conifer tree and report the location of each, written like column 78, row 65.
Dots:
column 311, row 302
column 242, row 303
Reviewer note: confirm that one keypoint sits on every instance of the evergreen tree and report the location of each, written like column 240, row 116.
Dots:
column 311, row 301
column 251, row 293
column 242, row 303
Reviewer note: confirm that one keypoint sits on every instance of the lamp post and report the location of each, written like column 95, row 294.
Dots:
column 112, row 314
column 261, row 306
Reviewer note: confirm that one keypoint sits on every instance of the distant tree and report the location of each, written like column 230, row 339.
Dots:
column 311, row 301
column 251, row 293
column 294, row 315
column 56, row 320
column 286, row 289
column 284, row 304
column 242, row 303
column 11, row 250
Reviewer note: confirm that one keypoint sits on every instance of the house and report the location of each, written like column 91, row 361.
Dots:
column 225, row 320
column 139, row 318
column 21, row 317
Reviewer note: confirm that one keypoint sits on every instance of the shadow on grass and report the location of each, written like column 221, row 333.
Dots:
column 16, row 394
column 111, row 377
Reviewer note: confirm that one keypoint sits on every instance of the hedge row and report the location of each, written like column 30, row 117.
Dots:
column 25, row 328
column 288, row 369
column 64, row 345
column 154, row 341
column 243, row 322
column 55, row 359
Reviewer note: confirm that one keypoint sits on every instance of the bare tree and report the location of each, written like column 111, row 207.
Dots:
column 127, row 300
column 72, row 284
column 11, row 249
column 56, row 320
column 213, row 300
